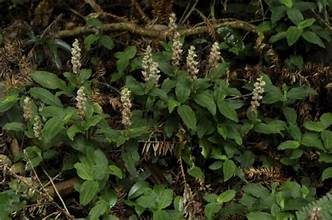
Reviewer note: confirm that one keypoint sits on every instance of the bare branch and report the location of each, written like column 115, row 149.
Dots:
column 154, row 33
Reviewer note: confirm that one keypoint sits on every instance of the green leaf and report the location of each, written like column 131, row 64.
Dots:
column 299, row 93
column 34, row 154
column 326, row 136
column 130, row 157
column 287, row 3
column 290, row 115
column 288, row 145
column 90, row 40
column 211, row 209
column 256, row 190
column 205, row 99
column 172, row 104
column 295, row 132
column 196, row 172
column 84, row 171
column 325, row 158
column 311, row 139
column 272, row 94
column 226, row 196
column 94, row 22
column 272, row 127
column 259, row 216
column 295, row 15
column 229, row 168
column 84, row 75
column 219, row 71
column 182, row 89
column 52, row 128
column 223, row 130
column 124, row 57
column 277, row 13
column 188, row 116
column 295, row 62
column 161, row 215
column 215, row 165
column 137, row 189
column 45, row 96
column 278, row 36
column 327, row 174
column 110, row 197
column 265, row 26
column 13, row 126
column 48, row 80
column 88, row 190
column 164, row 197
column 98, row 210
column 106, row 41
column 7, row 102
column 100, row 168
column 116, row 171
column 134, row 86
column 306, row 23
column 72, row 131
column 227, row 110
column 314, row 126
column 293, row 34
column 313, row 38
column 148, row 200
column 326, row 119
column 10, row 202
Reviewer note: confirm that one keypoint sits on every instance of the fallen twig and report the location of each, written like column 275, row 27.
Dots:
column 101, row 12
column 151, row 32
column 64, row 188
column 57, row 192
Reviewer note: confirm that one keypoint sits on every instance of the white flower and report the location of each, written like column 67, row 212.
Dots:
column 27, row 109
column 176, row 49
column 37, row 127
column 150, row 68
column 126, row 107
column 81, row 100
column 76, row 56
column 172, row 22
column 214, row 56
column 192, row 63
column 257, row 93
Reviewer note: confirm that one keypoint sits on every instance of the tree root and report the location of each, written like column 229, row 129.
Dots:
column 154, row 32
column 64, row 188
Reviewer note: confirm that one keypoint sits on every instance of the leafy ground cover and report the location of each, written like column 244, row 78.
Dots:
column 165, row 109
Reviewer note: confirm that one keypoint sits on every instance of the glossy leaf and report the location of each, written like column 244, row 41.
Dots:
column 88, row 190
column 7, row 102
column 295, row 15
column 327, row 139
column 227, row 110
column 313, row 38
column 206, row 100
column 106, row 41
column 288, row 145
column 188, row 116
column 84, row 171
column 259, row 216
column 45, row 96
column 327, row 174
column 293, row 34
column 48, row 80
column 229, row 168
column 52, row 128
column 13, row 126
column 226, row 196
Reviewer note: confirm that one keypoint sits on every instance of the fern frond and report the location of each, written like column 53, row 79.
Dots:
column 320, row 209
